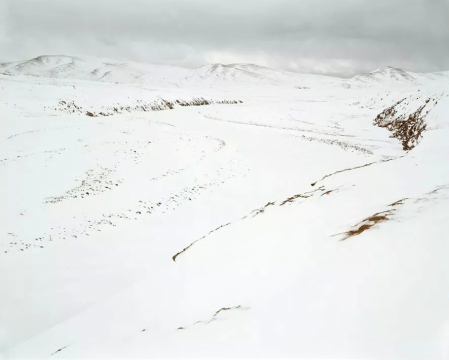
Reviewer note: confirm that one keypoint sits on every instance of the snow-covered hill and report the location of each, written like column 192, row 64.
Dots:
column 390, row 76
column 113, row 71
column 212, row 75
column 268, row 219
column 220, row 74
column 125, row 72
column 70, row 67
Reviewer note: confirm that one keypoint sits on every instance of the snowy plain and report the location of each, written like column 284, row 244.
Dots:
column 228, row 211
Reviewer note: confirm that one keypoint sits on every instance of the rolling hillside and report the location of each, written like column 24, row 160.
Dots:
column 228, row 211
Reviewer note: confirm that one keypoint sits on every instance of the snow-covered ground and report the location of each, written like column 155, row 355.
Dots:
column 227, row 211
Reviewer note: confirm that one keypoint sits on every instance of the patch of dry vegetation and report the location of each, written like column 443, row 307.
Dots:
column 408, row 128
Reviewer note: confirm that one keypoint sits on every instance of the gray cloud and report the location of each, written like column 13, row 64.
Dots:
column 323, row 36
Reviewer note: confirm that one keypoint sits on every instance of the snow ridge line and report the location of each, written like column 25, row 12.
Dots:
column 254, row 213
column 305, row 195
column 210, row 232
column 355, row 168
column 214, row 317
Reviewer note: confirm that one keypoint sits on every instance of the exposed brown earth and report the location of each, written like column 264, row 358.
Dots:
column 373, row 220
column 367, row 224
column 399, row 202
column 254, row 213
column 408, row 128
column 293, row 198
column 188, row 247
column 71, row 108
column 349, row 169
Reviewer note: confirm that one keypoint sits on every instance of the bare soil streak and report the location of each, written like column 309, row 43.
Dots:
column 210, row 232
column 368, row 223
column 354, row 168
column 399, row 202
column 255, row 213
column 294, row 197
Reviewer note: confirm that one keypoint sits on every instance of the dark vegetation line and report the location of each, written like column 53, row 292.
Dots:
column 214, row 317
column 210, row 232
column 354, row 168
column 158, row 105
column 59, row 350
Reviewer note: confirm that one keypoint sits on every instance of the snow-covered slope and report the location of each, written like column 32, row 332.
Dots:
column 70, row 67
column 390, row 75
column 113, row 71
column 303, row 223
column 220, row 74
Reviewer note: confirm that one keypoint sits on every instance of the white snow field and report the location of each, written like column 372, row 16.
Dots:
column 229, row 211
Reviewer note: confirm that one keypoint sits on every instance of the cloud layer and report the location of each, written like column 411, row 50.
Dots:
column 322, row 36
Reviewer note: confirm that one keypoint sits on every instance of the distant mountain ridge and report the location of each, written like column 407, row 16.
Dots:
column 92, row 69
column 216, row 74
column 391, row 74
column 116, row 71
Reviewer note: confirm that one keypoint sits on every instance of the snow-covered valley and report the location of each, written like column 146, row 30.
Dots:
column 227, row 211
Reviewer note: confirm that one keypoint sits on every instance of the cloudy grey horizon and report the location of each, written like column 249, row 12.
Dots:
column 341, row 38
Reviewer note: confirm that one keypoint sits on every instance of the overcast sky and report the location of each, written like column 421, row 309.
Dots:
column 340, row 37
